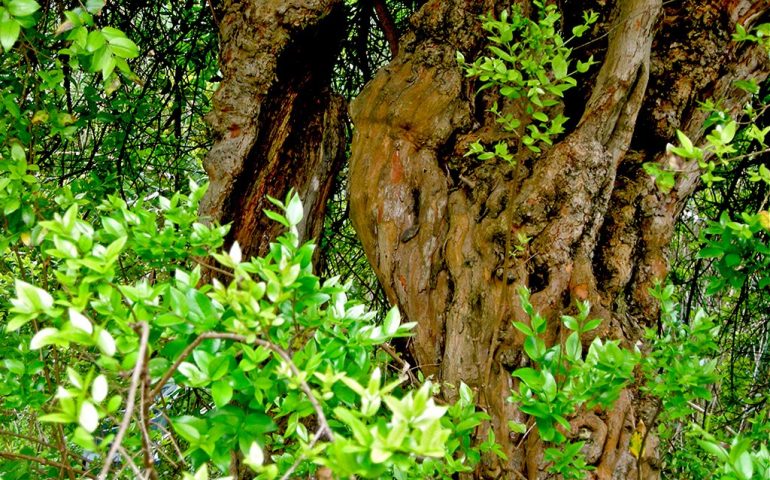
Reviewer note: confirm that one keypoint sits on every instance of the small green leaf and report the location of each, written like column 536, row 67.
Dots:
column 95, row 41
column 392, row 321
column 222, row 393
column 124, row 48
column 46, row 336
column 294, row 212
column 9, row 32
column 88, row 417
column 255, row 457
column 560, row 67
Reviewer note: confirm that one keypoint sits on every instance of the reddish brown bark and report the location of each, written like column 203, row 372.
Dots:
column 437, row 228
column 276, row 121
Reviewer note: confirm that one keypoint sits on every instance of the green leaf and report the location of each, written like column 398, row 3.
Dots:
column 530, row 376
column 103, row 61
column 88, row 417
column 14, row 366
column 55, row 418
column 22, row 8
column 523, row 328
column 189, row 427
column 392, row 321
column 255, row 457
column 744, row 466
column 686, row 143
column 31, row 299
column 95, row 41
column 573, row 347
column 124, row 48
column 749, row 86
column 592, row 324
column 711, row 252
column 222, row 393
column 549, row 385
column 94, row 6
column 276, row 217
column 9, row 32
column 560, row 67
column 294, row 210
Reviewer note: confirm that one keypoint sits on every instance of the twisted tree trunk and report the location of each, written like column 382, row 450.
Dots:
column 438, row 228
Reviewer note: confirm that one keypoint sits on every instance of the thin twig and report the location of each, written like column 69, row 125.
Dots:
column 658, row 409
column 44, row 461
column 323, row 424
column 144, row 405
column 301, row 458
column 406, row 369
column 213, row 268
column 28, row 438
column 131, row 464
column 182, row 357
column 130, row 401
column 171, row 437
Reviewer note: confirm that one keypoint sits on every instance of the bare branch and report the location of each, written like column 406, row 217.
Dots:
column 130, row 401
column 131, row 464
column 385, row 19
column 46, row 462
column 144, row 408
column 6, row 433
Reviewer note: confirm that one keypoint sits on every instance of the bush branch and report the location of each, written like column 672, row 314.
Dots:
column 130, row 401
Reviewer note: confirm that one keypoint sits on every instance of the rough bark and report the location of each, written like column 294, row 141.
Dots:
column 276, row 121
column 438, row 228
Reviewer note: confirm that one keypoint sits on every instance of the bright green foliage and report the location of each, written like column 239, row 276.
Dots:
column 740, row 251
column 529, row 61
column 117, row 345
column 739, row 461
column 272, row 349
column 680, row 367
column 564, row 380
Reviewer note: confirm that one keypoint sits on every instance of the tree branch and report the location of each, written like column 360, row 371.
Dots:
column 388, row 26
column 144, row 407
column 130, row 401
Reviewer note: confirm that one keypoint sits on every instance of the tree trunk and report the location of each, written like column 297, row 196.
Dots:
column 438, row 228
column 276, row 122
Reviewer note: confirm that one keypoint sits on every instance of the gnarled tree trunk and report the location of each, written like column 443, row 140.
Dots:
column 276, row 121
column 437, row 228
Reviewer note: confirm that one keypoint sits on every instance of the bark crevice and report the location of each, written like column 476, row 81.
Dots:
column 277, row 123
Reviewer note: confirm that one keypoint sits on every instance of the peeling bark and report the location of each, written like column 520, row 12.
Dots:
column 437, row 228
column 276, row 121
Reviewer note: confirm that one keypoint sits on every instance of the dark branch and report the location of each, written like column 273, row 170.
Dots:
column 387, row 24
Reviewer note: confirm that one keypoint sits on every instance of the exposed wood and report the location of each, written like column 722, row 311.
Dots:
column 277, row 123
